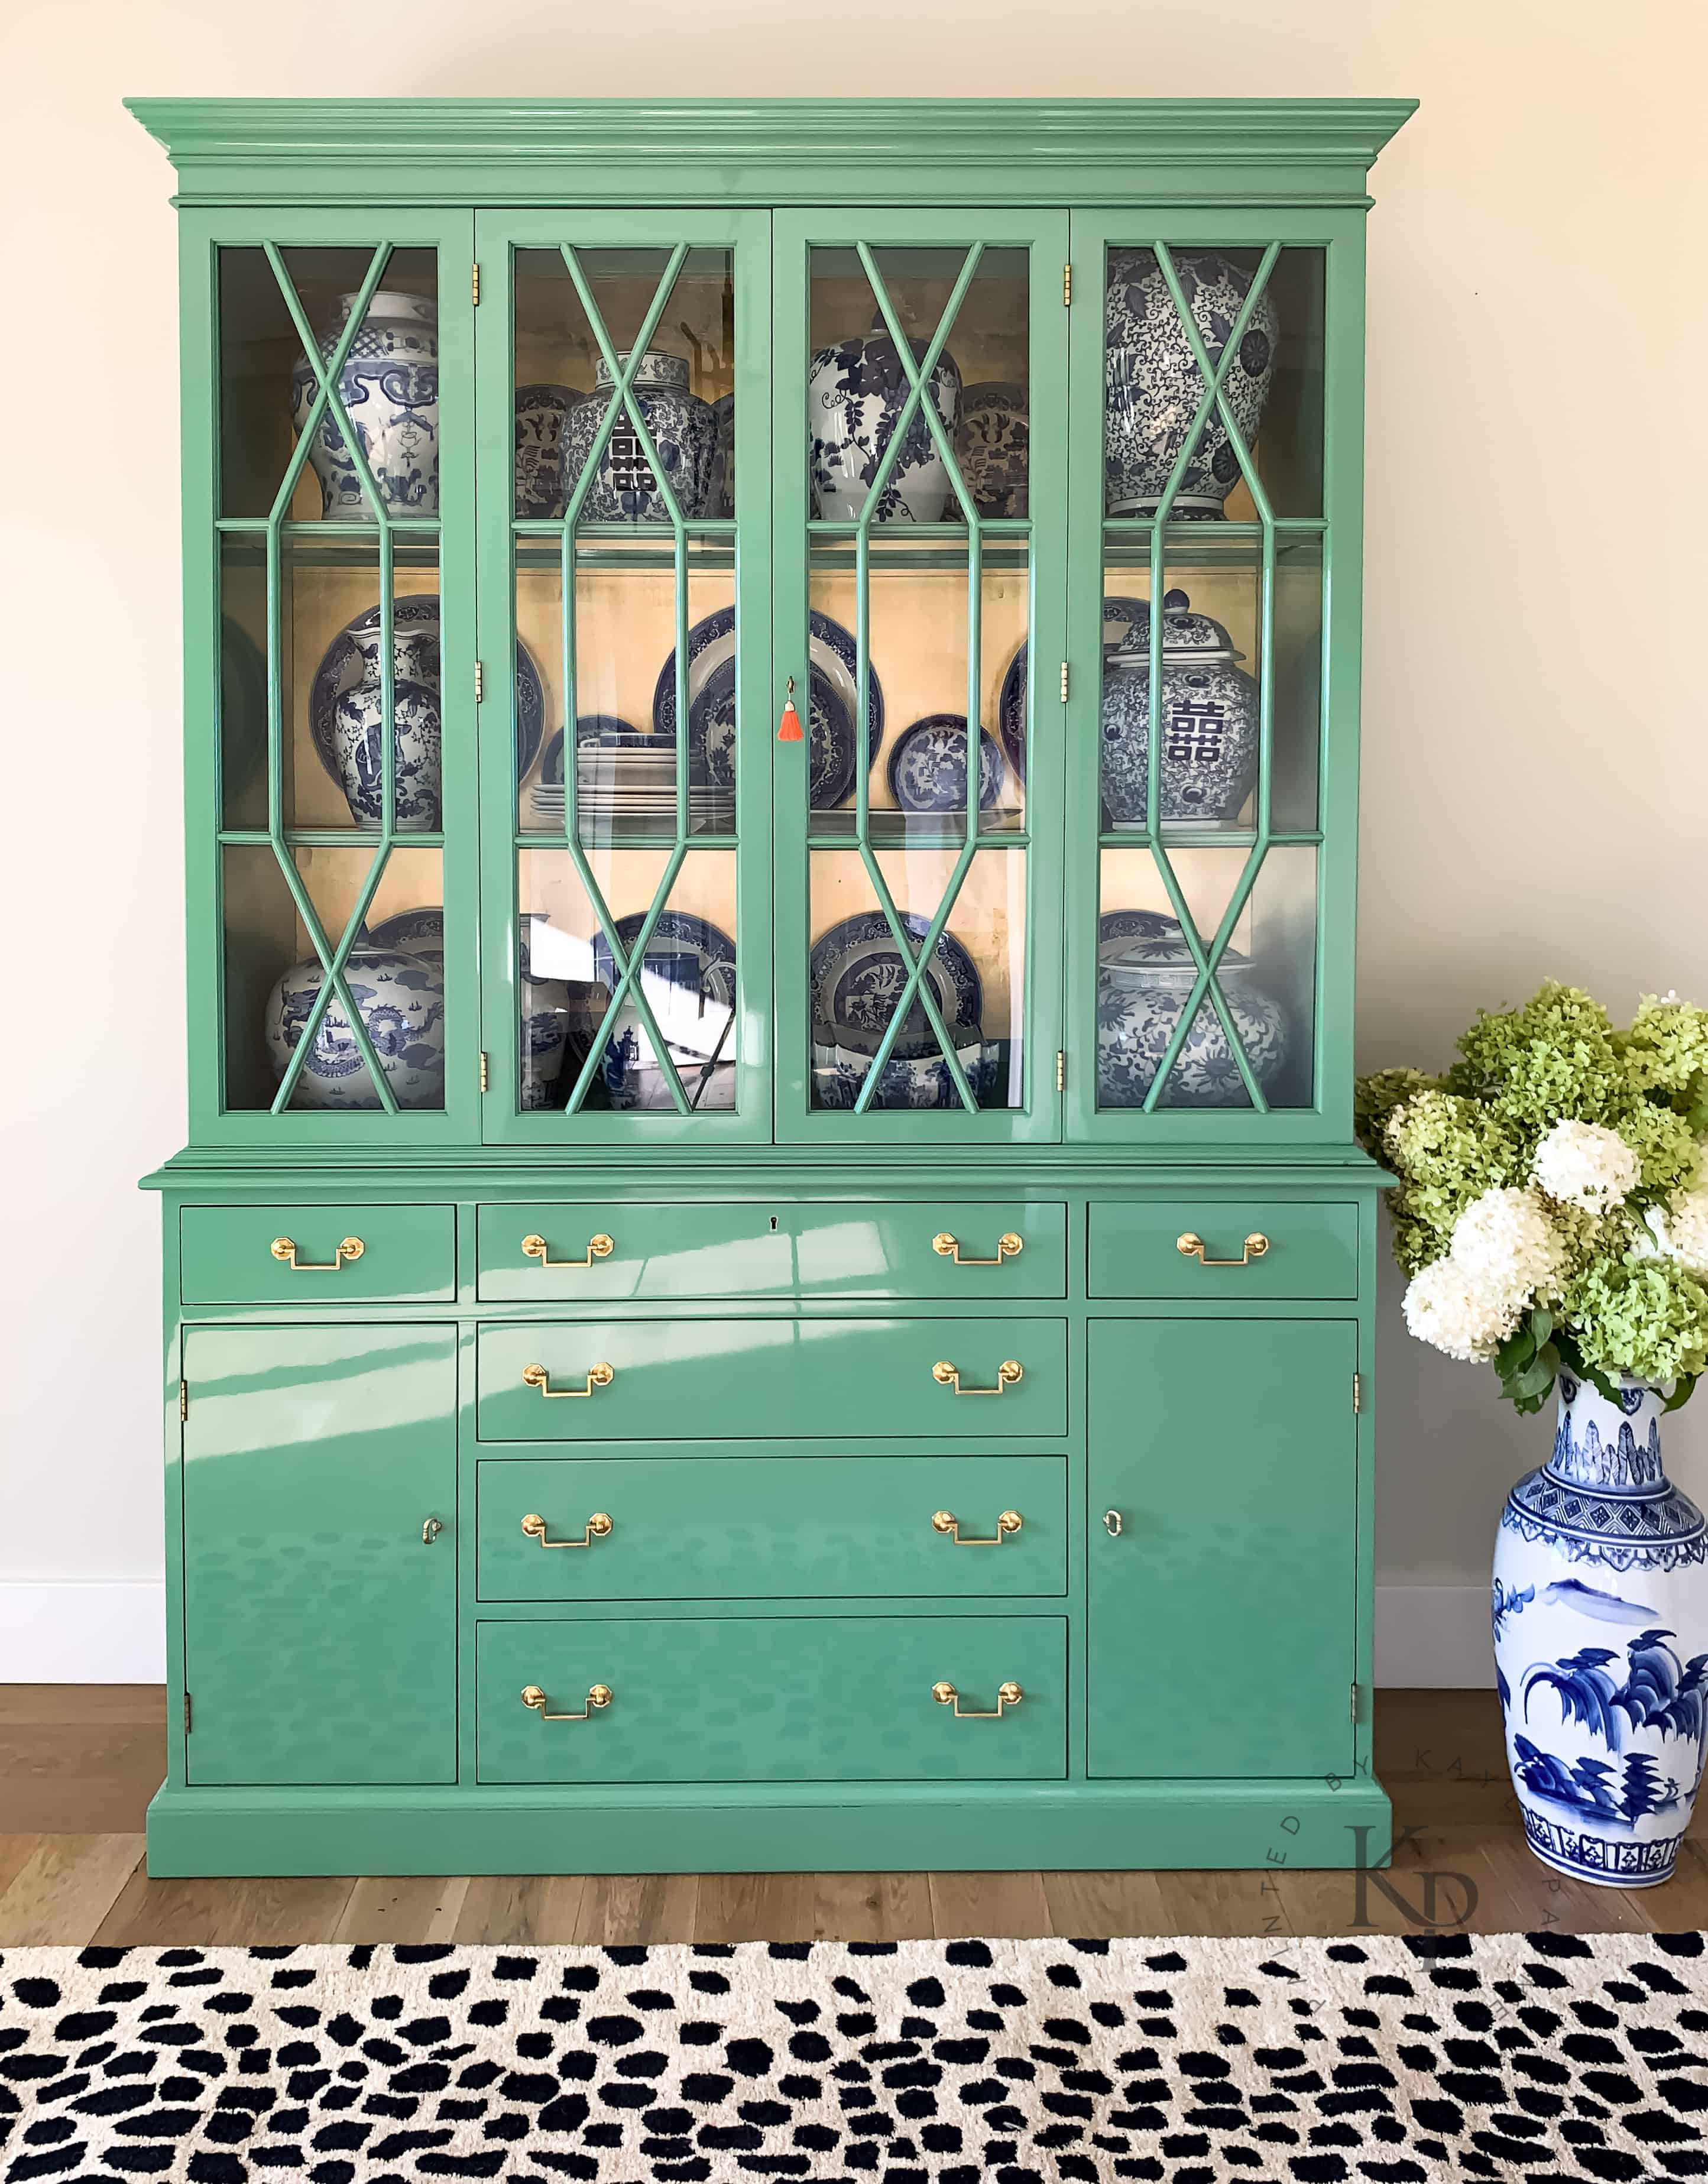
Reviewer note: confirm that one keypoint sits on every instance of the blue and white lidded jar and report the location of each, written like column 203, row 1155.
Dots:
column 1142, row 988
column 856, row 390
column 1210, row 719
column 390, row 390
column 399, row 996
column 684, row 430
column 1600, row 1617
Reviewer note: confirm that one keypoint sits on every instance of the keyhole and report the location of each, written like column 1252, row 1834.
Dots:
column 774, row 1221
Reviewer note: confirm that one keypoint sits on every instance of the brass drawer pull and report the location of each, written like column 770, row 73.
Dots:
column 1007, row 1247
column 352, row 1248
column 1191, row 1246
column 598, row 1696
column 598, row 1376
column 1007, row 1695
column 599, row 1247
column 949, row 1376
column 1010, row 1521
column 599, row 1524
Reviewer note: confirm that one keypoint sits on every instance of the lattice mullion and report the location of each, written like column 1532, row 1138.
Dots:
column 1215, row 376
column 1206, row 983
column 913, row 985
column 334, row 985
column 624, row 378
column 628, row 965
column 327, row 371
column 328, row 386
column 918, row 375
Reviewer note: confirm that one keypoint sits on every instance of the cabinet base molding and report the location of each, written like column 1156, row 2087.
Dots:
column 1127, row 1827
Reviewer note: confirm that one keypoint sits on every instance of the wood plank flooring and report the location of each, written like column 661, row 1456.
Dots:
column 79, row 1764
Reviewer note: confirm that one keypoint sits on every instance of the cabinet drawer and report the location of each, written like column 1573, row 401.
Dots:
column 242, row 1254
column 780, row 1377
column 772, row 1699
column 604, row 1252
column 1134, row 1249
column 768, row 1526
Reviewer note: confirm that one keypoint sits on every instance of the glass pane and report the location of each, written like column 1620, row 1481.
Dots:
column 331, row 687
column 1155, row 385
column 1267, row 978
column 389, row 383
column 858, row 384
column 624, row 653
column 567, row 975
column 976, row 977
column 274, row 972
column 682, row 390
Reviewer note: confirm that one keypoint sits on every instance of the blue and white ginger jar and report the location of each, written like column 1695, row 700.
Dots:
column 400, row 996
column 358, row 721
column 1210, row 718
column 855, row 393
column 1153, row 385
column 1600, row 1614
column 390, row 390
column 1142, row 988
column 684, row 430
column 995, row 446
column 541, row 411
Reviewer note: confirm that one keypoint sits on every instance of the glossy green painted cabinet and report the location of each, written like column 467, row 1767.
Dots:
column 321, row 1554
column 699, row 1188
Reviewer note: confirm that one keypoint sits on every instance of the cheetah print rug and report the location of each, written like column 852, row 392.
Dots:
column 1398, row 2062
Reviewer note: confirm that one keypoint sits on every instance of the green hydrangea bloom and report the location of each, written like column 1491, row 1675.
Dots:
column 1666, row 1147
column 1645, row 1317
column 1447, row 1150
column 1557, row 1056
column 1667, row 1052
column 1374, row 1099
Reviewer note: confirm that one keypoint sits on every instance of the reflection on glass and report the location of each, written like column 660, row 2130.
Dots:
column 974, row 977
column 1261, row 1037
column 274, row 972
column 683, row 1004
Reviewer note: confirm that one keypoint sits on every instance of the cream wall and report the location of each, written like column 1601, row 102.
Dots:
column 1536, row 754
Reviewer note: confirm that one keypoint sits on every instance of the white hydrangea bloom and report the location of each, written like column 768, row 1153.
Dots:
column 1582, row 1164
column 1460, row 1311
column 1507, row 1240
column 1681, row 1231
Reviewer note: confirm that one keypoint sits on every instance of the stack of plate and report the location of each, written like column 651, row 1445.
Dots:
column 633, row 778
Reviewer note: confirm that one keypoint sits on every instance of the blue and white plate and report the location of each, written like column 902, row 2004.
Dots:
column 712, row 737
column 415, row 931
column 1119, row 615
column 830, row 647
column 927, row 766
column 340, row 670
column 856, row 975
column 592, row 728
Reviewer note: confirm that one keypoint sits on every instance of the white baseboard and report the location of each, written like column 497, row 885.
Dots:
column 98, row 1630
column 83, row 1630
column 1433, row 1637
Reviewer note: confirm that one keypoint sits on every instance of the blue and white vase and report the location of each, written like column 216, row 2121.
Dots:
column 541, row 412
column 855, row 392
column 1153, row 385
column 995, row 446
column 400, row 996
column 684, row 430
column 1600, row 1613
column 1212, row 711
column 358, row 727
column 1142, row 988
column 390, row 390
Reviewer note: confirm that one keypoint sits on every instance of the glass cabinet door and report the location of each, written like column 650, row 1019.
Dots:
column 918, row 457
column 328, row 500
column 625, row 577
column 1210, row 501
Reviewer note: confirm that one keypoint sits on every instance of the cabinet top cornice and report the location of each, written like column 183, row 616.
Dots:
column 232, row 149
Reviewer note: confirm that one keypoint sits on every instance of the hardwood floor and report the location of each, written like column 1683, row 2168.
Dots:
column 79, row 1764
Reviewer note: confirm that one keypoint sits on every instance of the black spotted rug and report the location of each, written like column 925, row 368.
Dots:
column 1304, row 2062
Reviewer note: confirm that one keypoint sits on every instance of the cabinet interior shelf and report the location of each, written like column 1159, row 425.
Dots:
column 331, row 837
column 1195, row 836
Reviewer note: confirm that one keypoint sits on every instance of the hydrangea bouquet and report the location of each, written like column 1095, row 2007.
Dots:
column 1552, row 1208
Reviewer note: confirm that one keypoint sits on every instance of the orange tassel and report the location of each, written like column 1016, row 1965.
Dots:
column 789, row 729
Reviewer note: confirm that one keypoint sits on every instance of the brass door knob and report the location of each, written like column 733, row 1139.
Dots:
column 1112, row 1522
column 431, row 1531
column 1007, row 1695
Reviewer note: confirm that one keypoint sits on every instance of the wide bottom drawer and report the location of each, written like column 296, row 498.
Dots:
column 764, row 1527
column 773, row 1699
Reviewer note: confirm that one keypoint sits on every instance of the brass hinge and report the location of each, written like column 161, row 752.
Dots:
column 1067, row 286
column 186, row 1713
column 474, row 284
column 480, row 682
column 1357, row 1393
column 1060, row 1070
column 1355, row 1706
column 1064, row 681
column 483, row 1069
column 183, row 1401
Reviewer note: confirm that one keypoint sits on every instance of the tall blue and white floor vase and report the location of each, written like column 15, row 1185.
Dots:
column 1600, row 1613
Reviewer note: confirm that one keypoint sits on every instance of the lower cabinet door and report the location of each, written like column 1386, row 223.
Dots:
column 704, row 1526
column 1221, row 1585
column 774, row 1699
column 320, row 1604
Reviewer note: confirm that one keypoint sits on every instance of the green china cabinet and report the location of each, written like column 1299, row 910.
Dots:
column 771, row 1269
